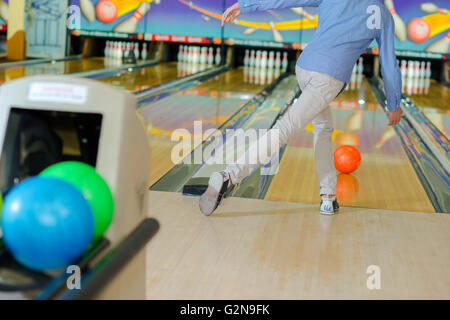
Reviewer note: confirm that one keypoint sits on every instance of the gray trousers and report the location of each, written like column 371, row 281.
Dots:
column 318, row 90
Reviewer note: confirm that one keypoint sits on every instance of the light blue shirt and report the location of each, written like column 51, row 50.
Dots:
column 346, row 29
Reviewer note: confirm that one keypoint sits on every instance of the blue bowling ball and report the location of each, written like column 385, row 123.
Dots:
column 47, row 224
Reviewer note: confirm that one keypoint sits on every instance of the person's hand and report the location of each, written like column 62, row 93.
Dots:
column 395, row 116
column 232, row 12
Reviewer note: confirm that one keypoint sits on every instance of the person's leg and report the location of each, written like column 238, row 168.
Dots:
column 323, row 152
column 318, row 90
column 317, row 93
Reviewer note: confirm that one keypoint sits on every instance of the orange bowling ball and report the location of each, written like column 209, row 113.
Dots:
column 347, row 159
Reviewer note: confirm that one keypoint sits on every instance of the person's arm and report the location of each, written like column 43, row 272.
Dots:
column 389, row 70
column 244, row 6
column 254, row 5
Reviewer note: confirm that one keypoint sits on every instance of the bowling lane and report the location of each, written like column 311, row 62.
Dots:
column 432, row 98
column 211, row 103
column 385, row 179
column 57, row 68
column 146, row 78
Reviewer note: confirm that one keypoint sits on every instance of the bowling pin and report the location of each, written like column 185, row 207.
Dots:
column 106, row 52
column 88, row 10
column 199, row 56
column 422, row 69
column 194, row 55
column 204, row 56
column 246, row 58
column 130, row 25
column 285, row 62
column 353, row 81
column 112, row 50
column 126, row 47
column 126, row 50
column 301, row 12
column 258, row 59
column 210, row 56
column 400, row 27
column 4, row 11
column 278, row 60
column 403, row 68
column 218, row 58
column 251, row 62
column 429, row 7
column 118, row 50
column 360, row 66
column 264, row 59
column 144, row 53
column 136, row 50
column 428, row 71
column 180, row 53
column 122, row 48
column 440, row 46
column 189, row 54
column 271, row 61
column 185, row 54
column 417, row 69
column 410, row 69
column 277, row 37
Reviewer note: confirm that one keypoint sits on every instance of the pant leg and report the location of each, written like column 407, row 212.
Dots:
column 323, row 152
column 318, row 90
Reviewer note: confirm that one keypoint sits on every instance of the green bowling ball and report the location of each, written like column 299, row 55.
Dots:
column 93, row 187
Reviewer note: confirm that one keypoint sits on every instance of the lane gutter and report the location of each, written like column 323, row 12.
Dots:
column 423, row 151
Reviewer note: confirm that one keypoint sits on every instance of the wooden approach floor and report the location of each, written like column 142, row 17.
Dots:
column 259, row 249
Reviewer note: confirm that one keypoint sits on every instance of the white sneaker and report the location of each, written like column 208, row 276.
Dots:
column 329, row 206
column 218, row 185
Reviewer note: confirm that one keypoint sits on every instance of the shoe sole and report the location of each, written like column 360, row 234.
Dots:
column 329, row 213
column 208, row 200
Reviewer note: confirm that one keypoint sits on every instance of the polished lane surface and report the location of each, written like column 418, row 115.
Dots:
column 185, row 116
column 146, row 78
column 56, row 68
column 433, row 99
column 385, row 179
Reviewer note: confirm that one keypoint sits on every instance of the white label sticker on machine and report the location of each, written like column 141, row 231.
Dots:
column 57, row 92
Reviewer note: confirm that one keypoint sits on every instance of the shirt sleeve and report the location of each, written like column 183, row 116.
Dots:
column 254, row 5
column 389, row 68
